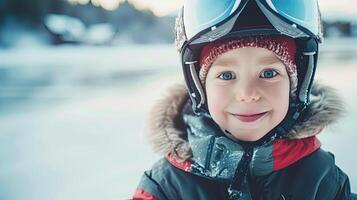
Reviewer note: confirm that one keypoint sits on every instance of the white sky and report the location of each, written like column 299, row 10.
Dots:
column 164, row 7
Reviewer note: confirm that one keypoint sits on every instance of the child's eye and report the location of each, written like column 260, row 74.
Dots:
column 269, row 73
column 226, row 76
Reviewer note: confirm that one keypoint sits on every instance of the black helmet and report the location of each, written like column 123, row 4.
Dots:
column 203, row 21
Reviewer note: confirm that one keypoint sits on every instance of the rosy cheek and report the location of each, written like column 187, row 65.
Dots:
column 280, row 99
column 217, row 100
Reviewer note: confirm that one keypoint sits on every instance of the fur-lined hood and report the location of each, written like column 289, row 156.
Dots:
column 166, row 131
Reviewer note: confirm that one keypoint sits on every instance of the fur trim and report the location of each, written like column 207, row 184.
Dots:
column 163, row 131
column 326, row 107
column 167, row 133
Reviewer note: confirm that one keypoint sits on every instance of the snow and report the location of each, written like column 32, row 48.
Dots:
column 72, row 117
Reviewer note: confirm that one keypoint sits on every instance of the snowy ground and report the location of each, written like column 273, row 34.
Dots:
column 72, row 118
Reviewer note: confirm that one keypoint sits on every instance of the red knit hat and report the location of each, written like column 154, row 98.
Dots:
column 283, row 47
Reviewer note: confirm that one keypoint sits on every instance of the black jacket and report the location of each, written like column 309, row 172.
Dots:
column 314, row 177
column 200, row 161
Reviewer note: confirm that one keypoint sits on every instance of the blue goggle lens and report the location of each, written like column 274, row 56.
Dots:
column 202, row 14
column 302, row 12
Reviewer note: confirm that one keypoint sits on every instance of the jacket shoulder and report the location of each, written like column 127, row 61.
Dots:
column 152, row 183
column 319, row 173
column 320, row 159
column 315, row 176
column 165, row 181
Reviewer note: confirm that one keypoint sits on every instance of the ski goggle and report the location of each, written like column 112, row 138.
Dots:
column 291, row 17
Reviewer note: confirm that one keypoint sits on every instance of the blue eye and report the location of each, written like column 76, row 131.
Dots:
column 270, row 73
column 226, row 76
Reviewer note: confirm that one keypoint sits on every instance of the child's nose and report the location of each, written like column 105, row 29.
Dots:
column 247, row 93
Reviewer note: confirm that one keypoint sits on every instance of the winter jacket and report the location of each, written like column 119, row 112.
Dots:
column 199, row 160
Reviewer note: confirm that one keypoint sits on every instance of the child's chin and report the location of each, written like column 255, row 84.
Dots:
column 248, row 136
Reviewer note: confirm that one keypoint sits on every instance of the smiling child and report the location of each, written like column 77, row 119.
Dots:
column 244, row 126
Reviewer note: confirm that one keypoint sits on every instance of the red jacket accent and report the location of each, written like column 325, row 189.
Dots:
column 140, row 194
column 287, row 152
column 185, row 166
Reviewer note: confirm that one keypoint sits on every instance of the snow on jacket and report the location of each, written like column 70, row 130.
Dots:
column 200, row 160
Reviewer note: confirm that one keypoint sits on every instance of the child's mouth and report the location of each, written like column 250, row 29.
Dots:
column 249, row 117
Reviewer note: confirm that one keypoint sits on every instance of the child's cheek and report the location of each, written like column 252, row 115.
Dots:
column 217, row 98
column 277, row 96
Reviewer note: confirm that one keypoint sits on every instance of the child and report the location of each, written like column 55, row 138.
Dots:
column 245, row 126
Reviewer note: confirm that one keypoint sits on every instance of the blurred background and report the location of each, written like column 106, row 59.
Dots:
column 77, row 78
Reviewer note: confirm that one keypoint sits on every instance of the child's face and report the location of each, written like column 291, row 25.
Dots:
column 248, row 92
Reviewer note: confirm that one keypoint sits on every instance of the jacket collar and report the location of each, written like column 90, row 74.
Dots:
column 167, row 131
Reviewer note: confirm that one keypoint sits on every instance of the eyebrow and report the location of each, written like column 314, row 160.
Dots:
column 269, row 60
column 262, row 60
column 224, row 63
